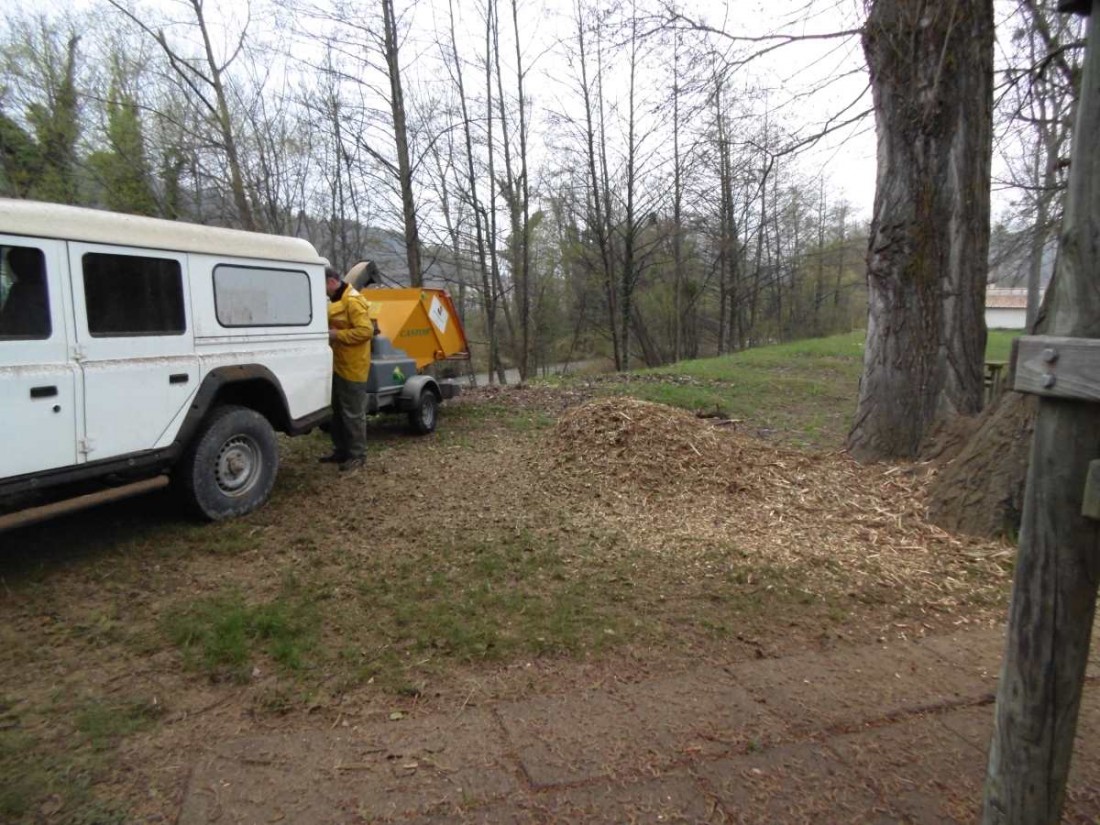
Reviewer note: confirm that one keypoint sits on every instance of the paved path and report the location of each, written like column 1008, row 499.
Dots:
column 880, row 734
column 511, row 376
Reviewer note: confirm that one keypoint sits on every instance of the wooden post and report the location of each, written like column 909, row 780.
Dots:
column 1058, row 565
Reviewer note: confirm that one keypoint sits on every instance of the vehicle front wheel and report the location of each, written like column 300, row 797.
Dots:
column 230, row 468
column 422, row 418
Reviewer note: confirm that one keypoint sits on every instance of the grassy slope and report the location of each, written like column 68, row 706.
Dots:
column 803, row 393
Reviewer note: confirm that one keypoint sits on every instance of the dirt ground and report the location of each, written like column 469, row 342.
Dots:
column 594, row 541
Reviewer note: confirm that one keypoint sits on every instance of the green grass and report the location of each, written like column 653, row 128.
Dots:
column 103, row 723
column 999, row 344
column 24, row 781
column 39, row 786
column 223, row 635
column 471, row 415
column 487, row 598
column 803, row 392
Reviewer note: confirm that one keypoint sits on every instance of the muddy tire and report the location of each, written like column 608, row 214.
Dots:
column 230, row 467
column 423, row 417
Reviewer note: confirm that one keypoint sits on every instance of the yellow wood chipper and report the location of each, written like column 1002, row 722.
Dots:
column 415, row 328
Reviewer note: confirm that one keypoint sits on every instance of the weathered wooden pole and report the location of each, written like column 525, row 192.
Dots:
column 1058, row 564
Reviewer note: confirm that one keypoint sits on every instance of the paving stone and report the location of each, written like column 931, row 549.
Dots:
column 380, row 770
column 801, row 783
column 975, row 653
column 704, row 713
column 982, row 653
column 520, row 810
column 675, row 798
column 860, row 686
column 707, row 746
column 647, row 726
column 973, row 724
column 672, row 798
column 922, row 769
column 571, row 738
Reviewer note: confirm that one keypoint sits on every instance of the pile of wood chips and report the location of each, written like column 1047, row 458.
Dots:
column 686, row 486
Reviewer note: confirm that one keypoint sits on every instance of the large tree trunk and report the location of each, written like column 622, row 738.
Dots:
column 932, row 76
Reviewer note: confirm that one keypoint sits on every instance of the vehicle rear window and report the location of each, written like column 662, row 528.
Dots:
column 246, row 296
column 133, row 295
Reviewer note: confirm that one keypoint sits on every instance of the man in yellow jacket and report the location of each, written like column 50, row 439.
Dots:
column 349, row 334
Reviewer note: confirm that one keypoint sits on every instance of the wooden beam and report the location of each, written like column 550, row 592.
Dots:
column 1058, row 564
column 1059, row 367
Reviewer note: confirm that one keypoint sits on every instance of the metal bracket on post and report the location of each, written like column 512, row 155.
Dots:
column 1066, row 368
column 1057, row 367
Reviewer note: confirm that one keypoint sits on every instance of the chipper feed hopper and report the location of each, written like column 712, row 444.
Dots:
column 415, row 329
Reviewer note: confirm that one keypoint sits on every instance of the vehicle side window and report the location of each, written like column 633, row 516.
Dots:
column 246, row 296
column 133, row 295
column 24, row 297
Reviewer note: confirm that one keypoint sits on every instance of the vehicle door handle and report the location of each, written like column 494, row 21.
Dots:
column 43, row 392
column 178, row 378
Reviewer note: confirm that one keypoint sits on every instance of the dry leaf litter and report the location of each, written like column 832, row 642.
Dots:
column 713, row 498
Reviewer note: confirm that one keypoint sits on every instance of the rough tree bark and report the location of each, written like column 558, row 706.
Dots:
column 932, row 76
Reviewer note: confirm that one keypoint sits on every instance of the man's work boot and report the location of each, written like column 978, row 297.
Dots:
column 332, row 458
column 352, row 464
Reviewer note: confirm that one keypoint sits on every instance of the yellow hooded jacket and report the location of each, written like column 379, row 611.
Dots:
column 349, row 315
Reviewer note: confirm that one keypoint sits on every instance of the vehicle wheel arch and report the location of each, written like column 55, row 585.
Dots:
column 246, row 385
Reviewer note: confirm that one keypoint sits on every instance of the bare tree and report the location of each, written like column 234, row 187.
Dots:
column 206, row 78
column 515, row 188
column 482, row 234
column 401, row 140
column 1038, row 101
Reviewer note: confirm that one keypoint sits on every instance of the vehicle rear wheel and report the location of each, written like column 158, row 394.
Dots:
column 230, row 468
column 423, row 417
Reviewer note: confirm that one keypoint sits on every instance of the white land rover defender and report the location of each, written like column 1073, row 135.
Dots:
column 135, row 350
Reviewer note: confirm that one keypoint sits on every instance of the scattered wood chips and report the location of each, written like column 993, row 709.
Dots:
column 712, row 497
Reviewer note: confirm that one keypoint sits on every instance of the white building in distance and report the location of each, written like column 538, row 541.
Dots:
column 1006, row 308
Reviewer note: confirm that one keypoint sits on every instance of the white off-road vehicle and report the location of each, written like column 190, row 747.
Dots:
column 137, row 351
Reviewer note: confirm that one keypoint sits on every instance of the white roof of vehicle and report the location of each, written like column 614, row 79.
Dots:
column 74, row 223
